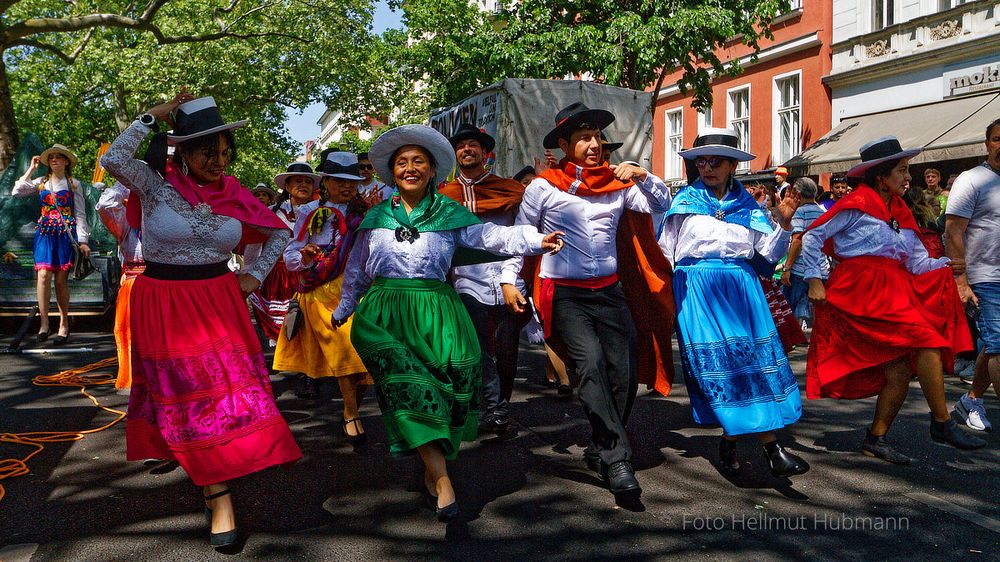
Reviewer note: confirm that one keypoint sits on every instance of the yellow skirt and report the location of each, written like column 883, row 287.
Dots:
column 317, row 349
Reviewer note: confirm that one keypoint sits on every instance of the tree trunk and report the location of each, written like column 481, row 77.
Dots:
column 9, row 138
column 123, row 118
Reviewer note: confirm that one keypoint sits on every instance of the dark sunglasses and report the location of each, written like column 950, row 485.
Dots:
column 714, row 161
column 365, row 167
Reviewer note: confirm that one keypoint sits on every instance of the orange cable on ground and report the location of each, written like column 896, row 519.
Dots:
column 10, row 468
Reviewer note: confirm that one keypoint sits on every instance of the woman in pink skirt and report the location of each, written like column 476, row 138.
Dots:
column 200, row 389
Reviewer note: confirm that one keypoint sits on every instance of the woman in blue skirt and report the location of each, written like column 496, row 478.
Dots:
column 735, row 367
column 64, row 214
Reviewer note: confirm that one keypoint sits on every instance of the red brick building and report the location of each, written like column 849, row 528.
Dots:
column 778, row 105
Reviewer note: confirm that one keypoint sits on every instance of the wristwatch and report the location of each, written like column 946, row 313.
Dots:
column 147, row 119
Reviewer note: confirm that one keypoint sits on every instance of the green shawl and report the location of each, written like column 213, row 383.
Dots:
column 434, row 213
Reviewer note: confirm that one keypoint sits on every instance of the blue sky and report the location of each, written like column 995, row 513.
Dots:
column 303, row 127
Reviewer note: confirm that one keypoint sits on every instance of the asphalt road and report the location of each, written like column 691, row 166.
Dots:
column 527, row 497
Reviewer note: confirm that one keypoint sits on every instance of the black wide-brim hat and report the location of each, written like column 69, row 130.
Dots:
column 523, row 172
column 571, row 117
column 610, row 146
column 714, row 141
column 467, row 131
column 880, row 150
column 198, row 118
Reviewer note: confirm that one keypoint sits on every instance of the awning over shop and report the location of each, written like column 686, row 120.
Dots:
column 946, row 130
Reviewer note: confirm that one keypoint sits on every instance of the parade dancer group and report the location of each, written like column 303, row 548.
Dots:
column 419, row 287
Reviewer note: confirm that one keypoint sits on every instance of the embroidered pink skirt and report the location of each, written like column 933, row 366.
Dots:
column 200, row 387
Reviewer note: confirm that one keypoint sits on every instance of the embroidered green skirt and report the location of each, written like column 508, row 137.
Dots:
column 418, row 342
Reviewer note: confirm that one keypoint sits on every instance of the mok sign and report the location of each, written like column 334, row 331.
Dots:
column 971, row 81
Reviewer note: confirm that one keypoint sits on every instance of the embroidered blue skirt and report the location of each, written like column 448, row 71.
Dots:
column 736, row 371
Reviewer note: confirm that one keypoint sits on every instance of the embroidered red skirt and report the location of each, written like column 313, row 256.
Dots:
column 789, row 331
column 200, row 387
column 875, row 312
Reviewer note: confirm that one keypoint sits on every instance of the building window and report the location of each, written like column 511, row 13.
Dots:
column 949, row 4
column 739, row 120
column 704, row 118
column 675, row 143
column 883, row 14
column 794, row 5
column 789, row 117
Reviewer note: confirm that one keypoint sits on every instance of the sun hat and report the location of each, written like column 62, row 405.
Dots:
column 58, row 149
column 880, row 150
column 608, row 145
column 571, row 117
column 297, row 169
column 198, row 118
column 429, row 139
column 341, row 165
column 714, row 141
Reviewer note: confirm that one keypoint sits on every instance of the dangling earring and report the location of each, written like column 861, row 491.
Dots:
column 184, row 167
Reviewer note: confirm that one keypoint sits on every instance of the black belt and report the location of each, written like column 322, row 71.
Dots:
column 173, row 272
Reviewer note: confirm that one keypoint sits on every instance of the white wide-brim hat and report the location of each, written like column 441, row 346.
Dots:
column 341, row 165
column 716, row 142
column 198, row 118
column 297, row 169
column 58, row 149
column 880, row 150
column 423, row 136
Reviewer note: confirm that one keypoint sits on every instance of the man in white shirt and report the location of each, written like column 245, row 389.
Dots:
column 581, row 300
column 495, row 200
column 971, row 235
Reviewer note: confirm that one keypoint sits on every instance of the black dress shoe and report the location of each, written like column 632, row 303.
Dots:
column 727, row 455
column 497, row 424
column 41, row 336
column 359, row 436
column 621, row 478
column 225, row 538
column 565, row 390
column 307, row 389
column 783, row 463
column 60, row 339
column 948, row 432
column 880, row 448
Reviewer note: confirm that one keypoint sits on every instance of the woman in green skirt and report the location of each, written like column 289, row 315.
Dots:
column 412, row 331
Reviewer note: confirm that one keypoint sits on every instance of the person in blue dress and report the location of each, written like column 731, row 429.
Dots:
column 64, row 214
column 734, row 365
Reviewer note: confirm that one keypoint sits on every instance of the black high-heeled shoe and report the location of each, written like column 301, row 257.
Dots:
column 60, row 339
column 361, row 436
column 727, row 455
column 448, row 513
column 225, row 538
column 41, row 336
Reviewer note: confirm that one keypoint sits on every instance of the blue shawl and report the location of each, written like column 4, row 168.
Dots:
column 738, row 207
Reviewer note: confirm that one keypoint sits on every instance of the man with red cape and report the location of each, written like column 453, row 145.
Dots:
column 610, row 273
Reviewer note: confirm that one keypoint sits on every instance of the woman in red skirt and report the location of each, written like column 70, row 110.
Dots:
column 888, row 310
column 200, row 387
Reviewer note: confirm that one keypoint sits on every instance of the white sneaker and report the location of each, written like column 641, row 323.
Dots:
column 972, row 412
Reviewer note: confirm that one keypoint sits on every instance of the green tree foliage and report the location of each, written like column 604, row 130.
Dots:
column 453, row 49
column 81, row 86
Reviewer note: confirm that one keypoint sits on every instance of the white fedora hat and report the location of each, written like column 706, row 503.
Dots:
column 58, row 149
column 342, row 165
column 716, row 142
column 423, row 136
column 297, row 169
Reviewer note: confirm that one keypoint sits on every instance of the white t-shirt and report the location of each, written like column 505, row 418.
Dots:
column 975, row 195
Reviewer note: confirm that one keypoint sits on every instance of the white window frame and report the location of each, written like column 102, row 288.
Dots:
column 777, row 110
column 732, row 120
column 704, row 118
column 889, row 15
column 673, row 164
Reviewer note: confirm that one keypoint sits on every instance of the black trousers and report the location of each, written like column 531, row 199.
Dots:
column 597, row 329
column 498, row 330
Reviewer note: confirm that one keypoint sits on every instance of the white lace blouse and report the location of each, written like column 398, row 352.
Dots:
column 173, row 232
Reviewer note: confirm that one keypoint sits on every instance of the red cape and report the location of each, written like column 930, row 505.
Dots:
column 492, row 193
column 643, row 270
